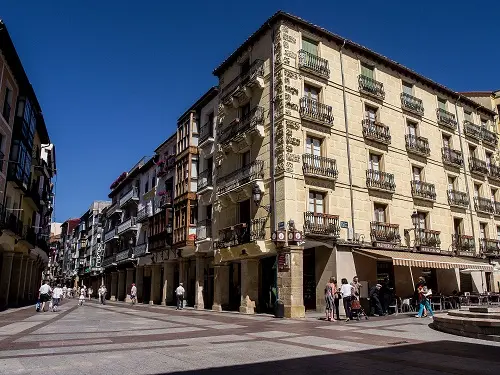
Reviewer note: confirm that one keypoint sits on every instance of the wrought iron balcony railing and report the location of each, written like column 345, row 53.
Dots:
column 242, row 125
column 204, row 230
column 384, row 232
column 132, row 194
column 472, row 130
column 478, row 166
column 489, row 247
column 452, row 157
column 251, row 172
column 315, row 111
column 140, row 250
column 423, row 190
column 129, row 224
column 313, row 64
column 428, row 238
column 113, row 209
column 108, row 261
column 489, row 137
column 371, row 87
column 446, row 119
column 206, row 131
column 380, row 180
column 484, row 205
column 497, row 207
column 123, row 255
column 376, row 131
column 412, row 104
column 242, row 233
column 458, row 198
column 143, row 214
column 166, row 199
column 463, row 245
column 111, row 234
column 319, row 166
column 256, row 70
column 321, row 224
column 205, row 180
column 494, row 172
column 417, row 145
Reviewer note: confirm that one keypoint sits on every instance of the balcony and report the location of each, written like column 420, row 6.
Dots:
column 243, row 128
column 206, row 133
column 140, row 250
column 240, row 178
column 317, row 224
column 242, row 233
column 452, row 158
column 123, row 255
column 497, row 208
column 458, row 199
column 204, row 230
column 113, row 209
column 494, row 172
column 130, row 224
column 490, row 138
column 143, row 214
column 463, row 245
column 131, row 195
column 313, row 64
column 428, row 239
column 412, row 104
column 319, row 167
column 423, row 190
column 205, row 181
column 243, row 84
column 381, row 181
column 385, row 233
column 376, row 131
column 110, row 235
column 417, row 145
column 484, row 205
column 446, row 119
column 314, row 111
column 478, row 166
column 371, row 87
column 165, row 199
column 489, row 247
column 472, row 130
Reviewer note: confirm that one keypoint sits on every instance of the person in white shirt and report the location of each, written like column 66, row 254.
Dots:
column 82, row 296
column 179, row 292
column 44, row 295
column 56, row 297
column 65, row 292
column 133, row 294
column 347, row 292
column 102, row 294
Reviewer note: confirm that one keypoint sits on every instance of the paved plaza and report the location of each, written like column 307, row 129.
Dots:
column 120, row 339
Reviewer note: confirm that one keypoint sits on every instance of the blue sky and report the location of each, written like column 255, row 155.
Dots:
column 113, row 76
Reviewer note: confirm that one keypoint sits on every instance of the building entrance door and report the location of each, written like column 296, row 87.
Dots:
column 234, row 286
column 267, row 290
column 309, row 281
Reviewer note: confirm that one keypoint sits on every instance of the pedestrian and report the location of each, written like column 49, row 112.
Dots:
column 65, row 292
column 90, row 293
column 356, row 285
column 102, row 294
column 329, row 299
column 179, row 292
column 133, row 294
column 347, row 294
column 82, row 297
column 423, row 300
column 416, row 301
column 44, row 294
column 56, row 297
column 386, row 295
column 336, row 298
column 375, row 305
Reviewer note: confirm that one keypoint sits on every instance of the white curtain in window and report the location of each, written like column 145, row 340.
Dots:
column 407, row 88
column 421, row 219
column 476, row 191
column 442, row 104
column 311, row 92
column 367, row 71
column 446, row 142
column 310, row 46
column 380, row 214
column 313, row 146
column 416, row 174
column 482, row 231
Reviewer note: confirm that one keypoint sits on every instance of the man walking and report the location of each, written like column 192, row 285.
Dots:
column 133, row 294
column 56, row 297
column 179, row 292
column 44, row 296
column 375, row 300
column 102, row 294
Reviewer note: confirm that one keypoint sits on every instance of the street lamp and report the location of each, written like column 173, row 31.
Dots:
column 257, row 198
column 415, row 222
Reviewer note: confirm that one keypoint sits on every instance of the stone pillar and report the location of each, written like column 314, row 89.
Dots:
column 22, row 283
column 114, row 285
column 168, row 284
column 155, row 284
column 121, row 285
column 130, row 280
column 199, row 303
column 15, row 279
column 29, row 277
column 249, row 285
column 290, row 283
column 5, row 278
column 221, row 287
column 139, row 282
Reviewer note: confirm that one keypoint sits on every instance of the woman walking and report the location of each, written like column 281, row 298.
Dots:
column 424, row 304
column 347, row 291
column 336, row 298
column 329, row 299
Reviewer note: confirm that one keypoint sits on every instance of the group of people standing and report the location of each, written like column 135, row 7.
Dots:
column 347, row 292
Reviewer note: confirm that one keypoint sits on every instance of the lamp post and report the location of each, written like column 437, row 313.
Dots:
column 415, row 222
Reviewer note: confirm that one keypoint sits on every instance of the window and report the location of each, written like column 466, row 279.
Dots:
column 316, row 202
column 417, row 174
column 245, row 66
column 374, row 162
column 146, row 187
column 468, row 116
column 472, row 151
column 313, row 146
column 311, row 92
column 412, row 129
column 446, row 141
column 477, row 189
column 482, row 230
column 367, row 71
column 422, row 219
column 407, row 88
column 371, row 113
column 442, row 103
column 7, row 104
column 488, row 159
column 245, row 159
column 244, row 111
column 493, row 195
column 451, row 182
column 498, row 233
column 379, row 213
column 484, row 123
column 310, row 46
column 208, row 212
column 153, row 181
column 457, row 225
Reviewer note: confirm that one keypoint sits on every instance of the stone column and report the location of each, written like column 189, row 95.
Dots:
column 221, row 287
column 29, row 277
column 199, row 303
column 121, row 285
column 114, row 285
column 155, row 284
column 5, row 278
column 22, row 283
column 130, row 280
column 249, row 285
column 15, row 279
column 168, row 283
column 139, row 282
column 290, row 283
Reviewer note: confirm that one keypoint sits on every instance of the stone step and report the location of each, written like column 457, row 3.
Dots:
column 470, row 327
column 468, row 314
column 485, row 310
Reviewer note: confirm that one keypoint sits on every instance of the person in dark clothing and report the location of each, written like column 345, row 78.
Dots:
column 386, row 295
column 375, row 305
column 420, row 282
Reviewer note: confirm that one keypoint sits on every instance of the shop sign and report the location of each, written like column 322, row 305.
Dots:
column 283, row 262
column 344, row 224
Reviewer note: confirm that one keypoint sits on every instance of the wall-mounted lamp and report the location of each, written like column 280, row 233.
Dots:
column 257, row 198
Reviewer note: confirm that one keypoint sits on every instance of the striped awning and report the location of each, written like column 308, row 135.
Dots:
column 409, row 259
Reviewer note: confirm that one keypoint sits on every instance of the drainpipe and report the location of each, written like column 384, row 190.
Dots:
column 465, row 167
column 347, row 138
